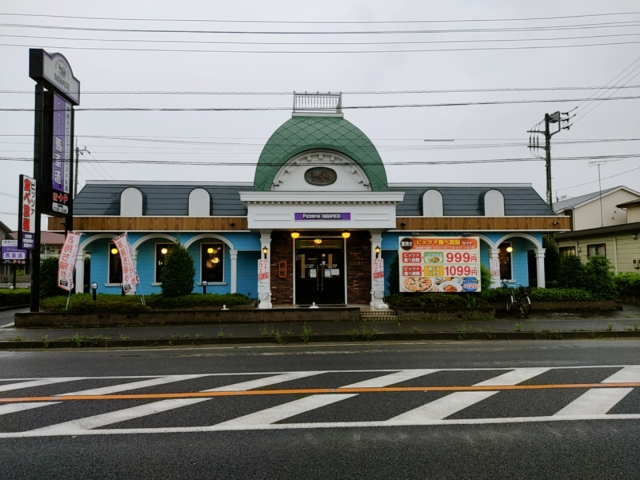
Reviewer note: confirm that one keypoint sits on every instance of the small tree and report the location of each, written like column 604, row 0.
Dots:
column 572, row 273
column 551, row 258
column 394, row 275
column 49, row 278
column 600, row 278
column 485, row 278
column 178, row 273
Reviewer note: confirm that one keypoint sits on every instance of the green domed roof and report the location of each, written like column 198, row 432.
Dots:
column 300, row 134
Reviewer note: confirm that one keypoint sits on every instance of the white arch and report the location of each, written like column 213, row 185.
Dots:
column 204, row 236
column 92, row 239
column 533, row 240
column 140, row 241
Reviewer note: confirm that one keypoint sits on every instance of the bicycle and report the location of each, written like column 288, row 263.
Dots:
column 518, row 295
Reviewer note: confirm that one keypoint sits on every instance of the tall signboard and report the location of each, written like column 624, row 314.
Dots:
column 439, row 264
column 57, row 91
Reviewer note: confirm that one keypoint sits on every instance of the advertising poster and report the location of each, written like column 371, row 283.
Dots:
column 439, row 264
column 378, row 275
column 263, row 277
column 67, row 263
column 27, row 213
column 129, row 274
column 61, row 156
column 11, row 254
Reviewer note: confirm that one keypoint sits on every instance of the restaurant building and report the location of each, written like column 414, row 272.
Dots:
column 320, row 211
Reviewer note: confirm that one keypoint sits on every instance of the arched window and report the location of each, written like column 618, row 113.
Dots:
column 493, row 204
column 199, row 203
column 432, row 204
column 131, row 203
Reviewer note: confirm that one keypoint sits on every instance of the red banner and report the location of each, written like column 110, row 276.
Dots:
column 129, row 274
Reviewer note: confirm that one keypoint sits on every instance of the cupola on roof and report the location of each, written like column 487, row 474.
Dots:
column 318, row 128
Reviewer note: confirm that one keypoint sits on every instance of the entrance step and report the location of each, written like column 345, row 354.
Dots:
column 379, row 315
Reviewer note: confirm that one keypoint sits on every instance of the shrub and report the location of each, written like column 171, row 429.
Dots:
column 600, row 278
column 195, row 300
column 628, row 284
column 83, row 303
column 424, row 300
column 11, row 298
column 543, row 295
column 485, row 278
column 551, row 258
column 572, row 273
column 49, row 278
column 178, row 273
column 393, row 280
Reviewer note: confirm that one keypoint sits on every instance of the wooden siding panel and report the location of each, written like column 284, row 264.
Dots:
column 559, row 223
column 151, row 223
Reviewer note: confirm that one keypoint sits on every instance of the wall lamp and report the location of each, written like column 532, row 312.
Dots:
column 94, row 289
column 377, row 250
column 164, row 251
column 265, row 250
column 509, row 249
column 114, row 251
column 295, row 234
column 318, row 241
column 204, row 284
column 346, row 234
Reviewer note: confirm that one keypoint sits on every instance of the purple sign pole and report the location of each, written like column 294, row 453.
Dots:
column 61, row 154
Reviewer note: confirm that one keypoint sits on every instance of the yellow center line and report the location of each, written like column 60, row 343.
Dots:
column 316, row 391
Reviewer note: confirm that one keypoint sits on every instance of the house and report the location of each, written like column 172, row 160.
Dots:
column 318, row 217
column 604, row 223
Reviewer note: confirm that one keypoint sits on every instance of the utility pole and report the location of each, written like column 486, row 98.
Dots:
column 558, row 118
column 78, row 152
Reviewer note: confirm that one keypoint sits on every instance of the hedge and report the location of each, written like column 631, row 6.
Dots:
column 628, row 284
column 83, row 303
column 11, row 298
column 426, row 300
column 543, row 295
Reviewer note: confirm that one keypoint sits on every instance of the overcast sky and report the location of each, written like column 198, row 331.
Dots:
column 479, row 54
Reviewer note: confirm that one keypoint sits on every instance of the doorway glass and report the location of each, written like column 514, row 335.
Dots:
column 319, row 271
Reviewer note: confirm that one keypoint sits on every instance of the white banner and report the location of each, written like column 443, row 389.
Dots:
column 378, row 275
column 264, row 286
column 129, row 274
column 67, row 262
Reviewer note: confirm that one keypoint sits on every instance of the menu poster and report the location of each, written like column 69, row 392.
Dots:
column 439, row 264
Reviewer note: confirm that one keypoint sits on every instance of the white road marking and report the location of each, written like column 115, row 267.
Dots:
column 110, row 418
column 8, row 325
column 123, row 387
column 309, row 426
column 514, row 377
column 390, row 379
column 441, row 408
column 626, row 374
column 20, row 407
column 36, row 383
column 286, row 410
column 594, row 402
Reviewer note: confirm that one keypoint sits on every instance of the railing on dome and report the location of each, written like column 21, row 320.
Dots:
column 317, row 102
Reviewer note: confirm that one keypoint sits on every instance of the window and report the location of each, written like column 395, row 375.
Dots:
column 597, row 249
column 115, row 266
column 566, row 251
column 162, row 249
column 504, row 255
column 199, row 203
column 493, row 204
column 212, row 268
column 131, row 202
column 432, row 204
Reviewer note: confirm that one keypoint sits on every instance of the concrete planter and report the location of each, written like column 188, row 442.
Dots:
column 185, row 317
column 444, row 313
column 601, row 305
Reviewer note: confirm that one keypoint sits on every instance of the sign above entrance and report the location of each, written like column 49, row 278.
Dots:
column 322, row 216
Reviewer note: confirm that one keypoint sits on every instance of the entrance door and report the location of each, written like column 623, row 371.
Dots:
column 320, row 271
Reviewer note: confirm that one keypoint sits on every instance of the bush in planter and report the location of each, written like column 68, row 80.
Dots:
column 426, row 300
column 49, row 278
column 196, row 300
column 84, row 303
column 178, row 273
column 599, row 278
column 628, row 284
column 572, row 273
column 560, row 295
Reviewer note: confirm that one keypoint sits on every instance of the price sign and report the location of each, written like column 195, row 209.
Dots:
column 439, row 264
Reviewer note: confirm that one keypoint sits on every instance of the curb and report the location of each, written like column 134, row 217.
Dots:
column 320, row 338
column 13, row 307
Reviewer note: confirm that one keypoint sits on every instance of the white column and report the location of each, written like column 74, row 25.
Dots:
column 134, row 256
column 377, row 300
column 540, row 265
column 265, row 241
column 80, row 272
column 494, row 258
column 234, row 270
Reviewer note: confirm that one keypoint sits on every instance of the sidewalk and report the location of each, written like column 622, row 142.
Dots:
column 622, row 324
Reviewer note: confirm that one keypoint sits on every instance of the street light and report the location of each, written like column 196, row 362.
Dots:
column 204, row 287
column 94, row 288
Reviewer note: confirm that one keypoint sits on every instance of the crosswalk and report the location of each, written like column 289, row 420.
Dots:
column 302, row 400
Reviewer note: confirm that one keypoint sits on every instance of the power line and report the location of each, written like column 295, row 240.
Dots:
column 372, row 92
column 317, row 21
column 355, row 107
column 596, row 181
column 308, row 52
column 9, row 195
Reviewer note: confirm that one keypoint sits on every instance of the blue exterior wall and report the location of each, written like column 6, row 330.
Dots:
column 247, row 244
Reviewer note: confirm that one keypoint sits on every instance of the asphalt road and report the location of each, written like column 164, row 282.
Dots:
column 567, row 409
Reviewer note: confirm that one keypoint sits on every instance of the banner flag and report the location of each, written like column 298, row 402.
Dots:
column 129, row 274
column 67, row 262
